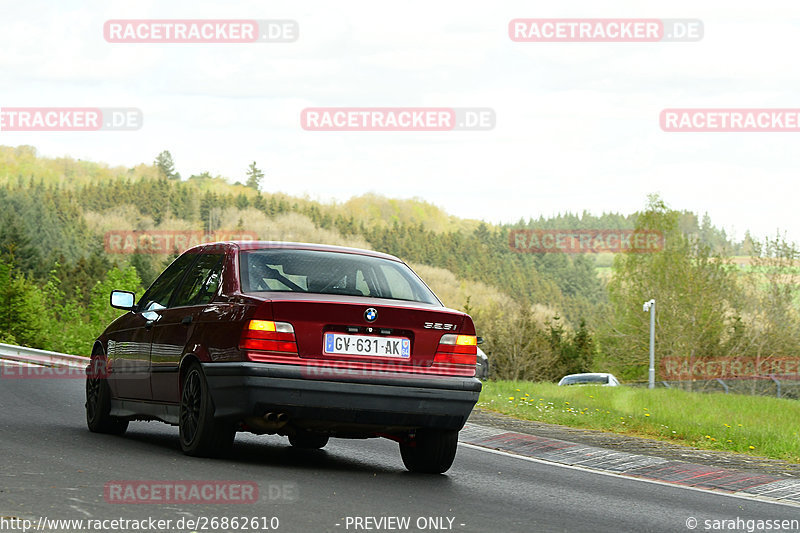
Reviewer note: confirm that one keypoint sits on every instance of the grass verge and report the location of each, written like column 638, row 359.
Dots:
column 756, row 425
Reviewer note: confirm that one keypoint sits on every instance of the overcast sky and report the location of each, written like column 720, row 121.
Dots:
column 577, row 123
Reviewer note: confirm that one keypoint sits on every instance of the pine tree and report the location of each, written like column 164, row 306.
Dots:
column 166, row 166
column 254, row 176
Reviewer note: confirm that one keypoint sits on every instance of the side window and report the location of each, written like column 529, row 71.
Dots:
column 201, row 283
column 159, row 293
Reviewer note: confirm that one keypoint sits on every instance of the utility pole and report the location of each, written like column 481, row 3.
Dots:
column 650, row 305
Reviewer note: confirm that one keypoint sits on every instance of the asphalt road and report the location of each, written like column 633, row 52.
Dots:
column 53, row 467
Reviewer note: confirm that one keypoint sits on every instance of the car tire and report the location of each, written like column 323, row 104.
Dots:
column 430, row 451
column 308, row 440
column 201, row 435
column 98, row 402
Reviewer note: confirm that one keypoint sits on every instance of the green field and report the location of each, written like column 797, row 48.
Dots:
column 762, row 426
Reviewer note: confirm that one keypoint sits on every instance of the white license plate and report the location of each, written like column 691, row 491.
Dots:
column 338, row 343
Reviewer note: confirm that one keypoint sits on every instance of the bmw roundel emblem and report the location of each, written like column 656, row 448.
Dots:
column 371, row 314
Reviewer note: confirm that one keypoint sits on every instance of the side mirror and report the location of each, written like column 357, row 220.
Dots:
column 123, row 300
column 480, row 340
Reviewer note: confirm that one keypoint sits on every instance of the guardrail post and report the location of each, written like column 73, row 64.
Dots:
column 777, row 385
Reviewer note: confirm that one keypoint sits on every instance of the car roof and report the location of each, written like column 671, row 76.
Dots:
column 266, row 245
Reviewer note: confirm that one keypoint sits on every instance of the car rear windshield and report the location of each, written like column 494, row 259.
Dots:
column 574, row 380
column 310, row 271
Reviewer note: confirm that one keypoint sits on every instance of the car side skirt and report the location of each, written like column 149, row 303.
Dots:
column 142, row 410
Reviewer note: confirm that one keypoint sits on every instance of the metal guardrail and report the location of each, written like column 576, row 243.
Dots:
column 769, row 385
column 41, row 357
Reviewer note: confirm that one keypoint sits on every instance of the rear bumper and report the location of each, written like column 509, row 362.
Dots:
column 385, row 403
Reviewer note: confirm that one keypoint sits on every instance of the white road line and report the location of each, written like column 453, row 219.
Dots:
column 618, row 475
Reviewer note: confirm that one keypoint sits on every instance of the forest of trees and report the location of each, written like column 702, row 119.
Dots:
column 542, row 315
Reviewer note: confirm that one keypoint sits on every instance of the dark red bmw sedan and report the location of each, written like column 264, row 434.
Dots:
column 302, row 340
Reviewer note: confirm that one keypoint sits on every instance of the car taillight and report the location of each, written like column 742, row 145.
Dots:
column 269, row 336
column 457, row 349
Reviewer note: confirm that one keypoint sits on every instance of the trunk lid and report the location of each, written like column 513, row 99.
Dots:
column 338, row 328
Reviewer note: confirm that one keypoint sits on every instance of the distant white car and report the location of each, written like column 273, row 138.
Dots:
column 591, row 378
column 482, row 366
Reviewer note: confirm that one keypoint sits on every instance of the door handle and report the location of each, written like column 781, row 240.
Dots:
column 186, row 320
